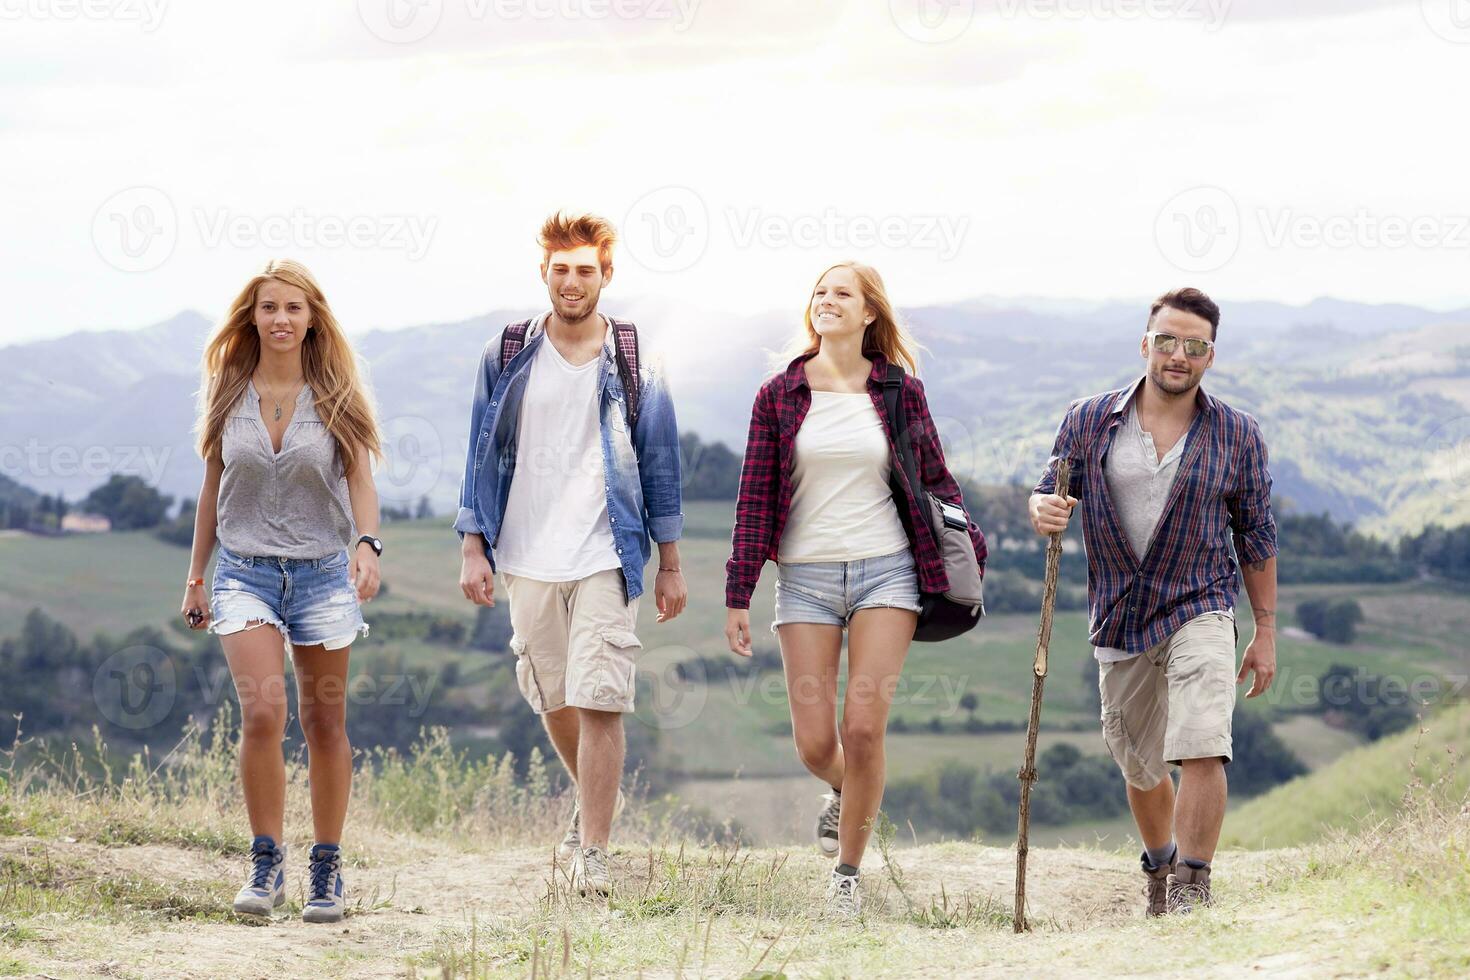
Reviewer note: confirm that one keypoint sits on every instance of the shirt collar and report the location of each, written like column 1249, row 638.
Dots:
column 795, row 374
column 538, row 326
column 1202, row 398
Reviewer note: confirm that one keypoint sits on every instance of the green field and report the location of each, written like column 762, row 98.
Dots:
column 740, row 725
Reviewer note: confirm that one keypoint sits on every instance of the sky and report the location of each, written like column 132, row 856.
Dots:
column 155, row 153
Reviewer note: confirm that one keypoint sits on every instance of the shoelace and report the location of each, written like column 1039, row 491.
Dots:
column 831, row 815
column 265, row 863
column 595, row 860
column 321, row 876
column 844, row 892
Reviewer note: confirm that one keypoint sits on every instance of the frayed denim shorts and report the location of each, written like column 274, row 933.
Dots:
column 829, row 592
column 310, row 600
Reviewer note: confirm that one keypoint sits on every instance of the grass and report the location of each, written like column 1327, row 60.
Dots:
column 1365, row 785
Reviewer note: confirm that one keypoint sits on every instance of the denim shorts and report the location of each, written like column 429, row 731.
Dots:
column 310, row 600
column 829, row 592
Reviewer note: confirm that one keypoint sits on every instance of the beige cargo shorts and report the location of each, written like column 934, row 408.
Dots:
column 573, row 641
column 1173, row 702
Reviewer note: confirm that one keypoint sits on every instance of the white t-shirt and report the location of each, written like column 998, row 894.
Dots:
column 841, row 506
column 556, row 526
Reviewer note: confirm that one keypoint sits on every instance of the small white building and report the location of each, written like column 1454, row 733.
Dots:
column 77, row 523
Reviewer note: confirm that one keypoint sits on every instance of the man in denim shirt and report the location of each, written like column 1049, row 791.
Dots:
column 565, row 480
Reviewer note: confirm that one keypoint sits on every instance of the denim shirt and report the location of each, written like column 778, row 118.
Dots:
column 644, row 489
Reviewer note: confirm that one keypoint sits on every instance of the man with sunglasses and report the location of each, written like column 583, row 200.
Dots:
column 1168, row 476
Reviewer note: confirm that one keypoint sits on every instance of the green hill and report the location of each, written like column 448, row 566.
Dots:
column 1362, row 787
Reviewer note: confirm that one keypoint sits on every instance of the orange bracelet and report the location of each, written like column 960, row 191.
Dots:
column 193, row 582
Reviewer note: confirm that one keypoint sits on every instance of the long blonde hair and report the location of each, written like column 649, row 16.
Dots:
column 327, row 362
column 885, row 335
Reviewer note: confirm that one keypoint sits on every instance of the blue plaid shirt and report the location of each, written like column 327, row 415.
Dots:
column 1223, row 490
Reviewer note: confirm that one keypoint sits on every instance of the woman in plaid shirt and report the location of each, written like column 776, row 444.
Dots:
column 815, row 497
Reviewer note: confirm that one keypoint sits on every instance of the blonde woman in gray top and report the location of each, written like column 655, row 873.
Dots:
column 287, row 434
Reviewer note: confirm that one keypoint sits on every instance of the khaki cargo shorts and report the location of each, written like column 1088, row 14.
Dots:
column 573, row 641
column 1173, row 702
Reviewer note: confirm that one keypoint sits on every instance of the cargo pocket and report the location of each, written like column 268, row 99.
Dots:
column 1120, row 745
column 526, row 676
column 615, row 677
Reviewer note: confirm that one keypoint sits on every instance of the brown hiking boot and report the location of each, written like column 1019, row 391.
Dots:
column 1189, row 889
column 1157, row 889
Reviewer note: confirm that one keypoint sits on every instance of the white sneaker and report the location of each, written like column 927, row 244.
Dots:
column 265, row 888
column 590, row 873
column 572, row 842
column 843, row 900
column 827, row 823
column 326, row 896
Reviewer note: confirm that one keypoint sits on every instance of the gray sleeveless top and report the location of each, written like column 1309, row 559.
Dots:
column 291, row 504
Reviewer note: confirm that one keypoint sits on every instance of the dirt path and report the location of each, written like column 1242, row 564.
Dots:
column 419, row 896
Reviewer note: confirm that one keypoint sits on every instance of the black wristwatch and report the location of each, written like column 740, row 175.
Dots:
column 373, row 543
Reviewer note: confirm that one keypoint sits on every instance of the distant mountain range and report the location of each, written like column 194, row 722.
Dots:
column 1366, row 407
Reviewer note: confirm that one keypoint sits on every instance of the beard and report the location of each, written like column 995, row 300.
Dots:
column 1173, row 384
column 572, row 313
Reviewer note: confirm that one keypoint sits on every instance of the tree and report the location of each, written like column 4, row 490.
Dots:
column 1333, row 620
column 128, row 503
column 492, row 629
column 968, row 703
column 424, row 509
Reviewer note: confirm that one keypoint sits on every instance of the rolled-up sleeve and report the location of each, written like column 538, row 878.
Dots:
column 1251, row 519
column 755, row 507
column 1065, row 446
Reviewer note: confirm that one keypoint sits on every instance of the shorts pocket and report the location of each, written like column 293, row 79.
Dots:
column 1119, row 743
column 615, row 676
column 526, row 676
column 335, row 563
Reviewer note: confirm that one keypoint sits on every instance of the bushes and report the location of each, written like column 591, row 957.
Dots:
column 1333, row 620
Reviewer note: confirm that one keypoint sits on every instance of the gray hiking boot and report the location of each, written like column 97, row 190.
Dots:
column 1189, row 889
column 572, row 842
column 827, row 823
column 1157, row 889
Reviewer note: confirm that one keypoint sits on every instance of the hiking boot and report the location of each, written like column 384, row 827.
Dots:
column 843, row 901
column 326, row 896
column 590, row 874
column 1157, row 889
column 572, row 842
column 827, row 823
column 1189, row 888
column 265, row 888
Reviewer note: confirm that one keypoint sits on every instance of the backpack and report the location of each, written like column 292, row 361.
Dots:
column 943, row 615
column 625, row 345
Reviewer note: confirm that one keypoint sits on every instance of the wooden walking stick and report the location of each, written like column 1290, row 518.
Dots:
column 1027, row 775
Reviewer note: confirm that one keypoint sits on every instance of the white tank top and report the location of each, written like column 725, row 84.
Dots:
column 841, row 506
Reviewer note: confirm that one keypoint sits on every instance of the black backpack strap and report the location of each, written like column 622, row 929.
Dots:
column 625, row 346
column 512, row 341
column 899, row 428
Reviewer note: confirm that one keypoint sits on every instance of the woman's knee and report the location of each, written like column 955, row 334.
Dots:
column 324, row 725
column 262, row 720
column 862, row 738
column 817, row 750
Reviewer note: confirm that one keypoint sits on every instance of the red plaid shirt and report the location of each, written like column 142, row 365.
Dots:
column 766, row 488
